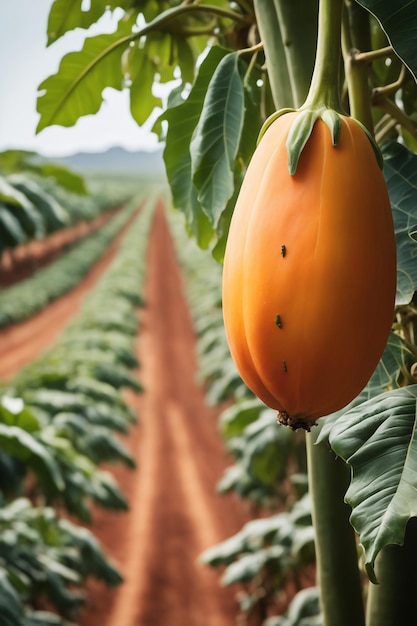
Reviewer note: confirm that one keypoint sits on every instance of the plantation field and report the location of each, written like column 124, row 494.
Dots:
column 174, row 512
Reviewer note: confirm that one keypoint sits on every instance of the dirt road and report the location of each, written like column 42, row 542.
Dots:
column 175, row 513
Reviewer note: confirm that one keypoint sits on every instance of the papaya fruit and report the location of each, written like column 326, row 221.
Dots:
column 309, row 275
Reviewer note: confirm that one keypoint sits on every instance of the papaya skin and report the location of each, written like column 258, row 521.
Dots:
column 309, row 275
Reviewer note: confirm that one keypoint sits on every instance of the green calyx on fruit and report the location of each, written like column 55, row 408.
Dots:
column 302, row 128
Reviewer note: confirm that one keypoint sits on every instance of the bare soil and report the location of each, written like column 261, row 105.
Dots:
column 175, row 513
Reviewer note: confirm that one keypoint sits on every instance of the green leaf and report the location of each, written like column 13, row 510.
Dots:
column 378, row 440
column 11, row 232
column 249, row 566
column 216, row 139
column 11, row 609
column 398, row 18
column 65, row 15
column 53, row 214
column 304, row 605
column 10, row 195
column 141, row 72
column 71, row 181
column 235, row 418
column 400, row 169
column 267, row 448
column 14, row 413
column 182, row 120
column 76, row 89
column 20, row 444
column 17, row 161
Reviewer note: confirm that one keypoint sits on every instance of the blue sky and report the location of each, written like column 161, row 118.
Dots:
column 25, row 62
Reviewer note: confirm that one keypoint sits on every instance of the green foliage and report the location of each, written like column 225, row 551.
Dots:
column 57, row 424
column 400, row 172
column 77, row 89
column 66, row 15
column 393, row 17
column 23, row 299
column 265, row 553
column 42, row 555
column 216, row 138
column 214, row 112
column 304, row 610
column 377, row 439
column 18, row 161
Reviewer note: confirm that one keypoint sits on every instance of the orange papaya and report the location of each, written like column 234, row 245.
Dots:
column 309, row 276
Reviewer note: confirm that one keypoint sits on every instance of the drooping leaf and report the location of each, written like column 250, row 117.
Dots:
column 304, row 610
column 249, row 566
column 235, row 418
column 18, row 161
column 400, row 169
column 71, row 181
column 10, row 195
column 11, row 609
column 65, row 15
column 399, row 21
column 216, row 139
column 378, row 440
column 141, row 72
column 182, row 120
column 76, row 89
column 53, row 214
column 22, row 445
column 11, row 232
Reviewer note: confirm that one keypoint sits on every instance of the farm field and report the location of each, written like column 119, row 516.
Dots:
column 174, row 511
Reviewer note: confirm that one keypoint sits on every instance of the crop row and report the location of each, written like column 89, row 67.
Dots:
column 22, row 300
column 60, row 419
column 37, row 198
column 269, row 469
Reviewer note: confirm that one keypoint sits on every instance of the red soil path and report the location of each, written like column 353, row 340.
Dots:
column 175, row 513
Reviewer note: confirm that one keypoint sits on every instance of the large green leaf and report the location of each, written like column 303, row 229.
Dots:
column 399, row 20
column 22, row 445
column 141, row 70
column 11, row 232
column 71, row 181
column 11, row 610
column 182, row 120
column 216, row 139
column 378, row 440
column 65, row 15
column 400, row 169
column 10, row 195
column 77, row 87
column 53, row 214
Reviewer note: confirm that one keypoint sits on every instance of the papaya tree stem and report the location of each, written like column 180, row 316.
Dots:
column 357, row 76
column 336, row 551
column 298, row 30
column 392, row 601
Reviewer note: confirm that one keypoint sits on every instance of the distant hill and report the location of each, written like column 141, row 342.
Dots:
column 115, row 160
